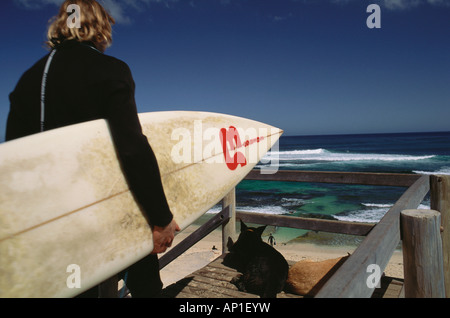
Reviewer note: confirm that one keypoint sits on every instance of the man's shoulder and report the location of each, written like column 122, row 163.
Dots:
column 113, row 66
column 115, row 61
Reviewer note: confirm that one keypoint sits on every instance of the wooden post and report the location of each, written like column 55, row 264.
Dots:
column 422, row 254
column 229, row 228
column 440, row 201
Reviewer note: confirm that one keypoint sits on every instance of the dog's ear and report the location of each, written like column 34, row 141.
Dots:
column 260, row 230
column 243, row 227
column 230, row 243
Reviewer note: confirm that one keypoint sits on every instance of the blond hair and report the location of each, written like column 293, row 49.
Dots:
column 95, row 25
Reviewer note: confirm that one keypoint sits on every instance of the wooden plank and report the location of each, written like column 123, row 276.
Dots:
column 187, row 286
column 390, row 287
column 440, row 201
column 200, row 290
column 350, row 280
column 208, row 282
column 283, row 294
column 220, row 218
column 226, row 290
column 217, row 274
column 177, row 291
column 366, row 178
column 210, row 289
column 332, row 226
column 229, row 227
column 422, row 254
column 215, row 279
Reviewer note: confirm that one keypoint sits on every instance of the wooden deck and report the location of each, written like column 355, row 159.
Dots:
column 213, row 281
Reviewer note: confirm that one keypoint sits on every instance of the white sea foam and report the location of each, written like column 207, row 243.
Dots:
column 443, row 170
column 286, row 202
column 269, row 209
column 377, row 205
column 365, row 216
column 321, row 154
column 300, row 152
column 372, row 214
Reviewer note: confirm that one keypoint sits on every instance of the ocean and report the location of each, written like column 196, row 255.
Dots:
column 421, row 153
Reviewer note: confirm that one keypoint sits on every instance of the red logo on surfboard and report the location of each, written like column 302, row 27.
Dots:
column 231, row 140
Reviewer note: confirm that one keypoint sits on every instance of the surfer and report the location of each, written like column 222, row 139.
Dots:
column 81, row 84
column 271, row 240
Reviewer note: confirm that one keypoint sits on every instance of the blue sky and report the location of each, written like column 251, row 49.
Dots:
column 306, row 66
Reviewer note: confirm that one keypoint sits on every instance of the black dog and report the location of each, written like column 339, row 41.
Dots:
column 264, row 270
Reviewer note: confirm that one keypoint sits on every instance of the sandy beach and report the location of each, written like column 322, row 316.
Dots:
column 203, row 253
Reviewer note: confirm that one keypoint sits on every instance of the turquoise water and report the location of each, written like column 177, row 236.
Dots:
column 328, row 201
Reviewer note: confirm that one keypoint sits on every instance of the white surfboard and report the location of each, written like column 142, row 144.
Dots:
column 67, row 218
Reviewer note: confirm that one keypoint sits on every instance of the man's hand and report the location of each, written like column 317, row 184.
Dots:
column 163, row 237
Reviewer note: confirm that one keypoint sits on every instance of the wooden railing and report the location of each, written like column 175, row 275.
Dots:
column 380, row 240
column 425, row 244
